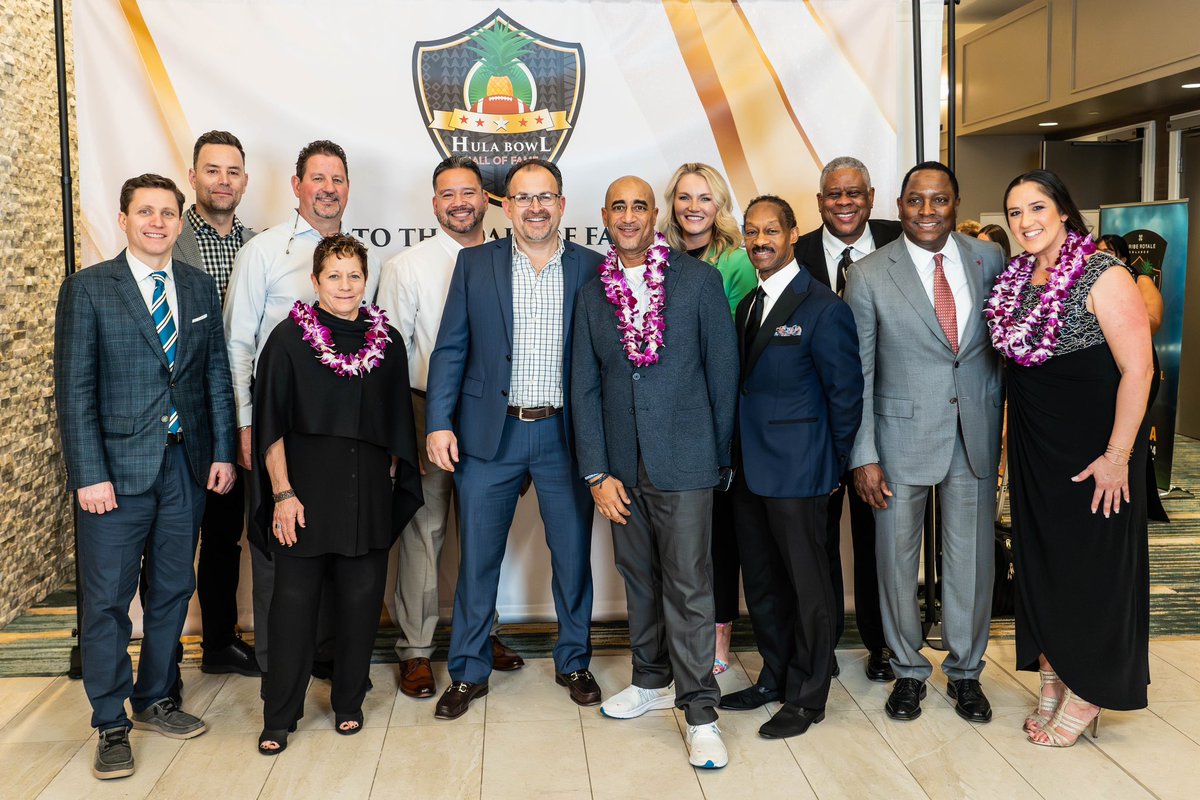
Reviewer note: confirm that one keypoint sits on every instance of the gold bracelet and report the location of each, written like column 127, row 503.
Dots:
column 1109, row 459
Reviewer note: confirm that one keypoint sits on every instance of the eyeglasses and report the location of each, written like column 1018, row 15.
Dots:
column 526, row 200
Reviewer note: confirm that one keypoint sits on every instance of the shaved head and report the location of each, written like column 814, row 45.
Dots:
column 626, row 185
column 629, row 213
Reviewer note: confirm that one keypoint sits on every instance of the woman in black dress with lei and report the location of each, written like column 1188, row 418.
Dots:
column 1078, row 364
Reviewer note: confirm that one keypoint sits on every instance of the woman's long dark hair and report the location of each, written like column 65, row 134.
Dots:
column 1117, row 244
column 1056, row 190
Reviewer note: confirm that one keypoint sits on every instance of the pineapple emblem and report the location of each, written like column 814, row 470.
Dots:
column 499, row 83
column 498, row 93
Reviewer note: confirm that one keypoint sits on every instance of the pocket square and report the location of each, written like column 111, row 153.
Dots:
column 197, row 319
column 788, row 330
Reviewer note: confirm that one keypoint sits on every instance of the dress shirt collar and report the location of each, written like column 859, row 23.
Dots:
column 519, row 259
column 834, row 246
column 141, row 270
column 923, row 259
column 775, row 284
column 201, row 225
column 451, row 244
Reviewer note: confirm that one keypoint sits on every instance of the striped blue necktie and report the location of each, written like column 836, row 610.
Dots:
column 164, row 323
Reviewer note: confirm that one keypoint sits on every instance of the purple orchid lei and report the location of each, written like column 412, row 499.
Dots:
column 320, row 338
column 642, row 339
column 1014, row 337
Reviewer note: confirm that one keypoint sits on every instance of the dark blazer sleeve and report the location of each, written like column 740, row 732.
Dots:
column 586, row 408
column 449, row 356
column 718, row 343
column 76, row 385
column 221, row 414
column 839, row 368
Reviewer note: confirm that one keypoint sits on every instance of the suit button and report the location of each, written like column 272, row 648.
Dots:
column 163, row 419
column 631, row 409
column 953, row 401
column 637, row 376
column 504, row 392
column 172, row 386
column 508, row 357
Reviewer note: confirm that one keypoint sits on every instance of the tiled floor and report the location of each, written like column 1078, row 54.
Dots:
column 526, row 739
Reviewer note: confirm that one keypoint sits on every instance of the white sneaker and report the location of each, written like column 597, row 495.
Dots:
column 705, row 746
column 633, row 701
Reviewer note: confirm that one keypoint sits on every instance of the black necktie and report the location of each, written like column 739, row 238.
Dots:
column 843, row 264
column 754, row 320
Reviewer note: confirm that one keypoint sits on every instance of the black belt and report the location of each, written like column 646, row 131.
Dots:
column 175, row 438
column 419, row 393
column 533, row 413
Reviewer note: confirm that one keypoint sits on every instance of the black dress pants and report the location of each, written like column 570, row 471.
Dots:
column 357, row 583
column 726, row 566
column 219, row 564
column 785, row 574
column 866, row 576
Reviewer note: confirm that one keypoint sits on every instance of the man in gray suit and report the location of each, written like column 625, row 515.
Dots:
column 211, row 238
column 931, row 417
column 145, row 412
column 653, row 412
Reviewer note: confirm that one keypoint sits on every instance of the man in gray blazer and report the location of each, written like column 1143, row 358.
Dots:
column 931, row 417
column 145, row 412
column 653, row 423
column 211, row 238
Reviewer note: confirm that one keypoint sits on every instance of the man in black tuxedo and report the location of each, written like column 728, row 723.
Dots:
column 847, row 234
column 800, row 405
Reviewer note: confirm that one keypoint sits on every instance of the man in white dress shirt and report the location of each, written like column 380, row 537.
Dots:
column 271, row 272
column 412, row 291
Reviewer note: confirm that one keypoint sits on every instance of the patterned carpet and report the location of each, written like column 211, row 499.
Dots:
column 39, row 641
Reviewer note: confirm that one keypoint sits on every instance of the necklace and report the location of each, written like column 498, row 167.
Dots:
column 642, row 338
column 320, row 338
column 1014, row 337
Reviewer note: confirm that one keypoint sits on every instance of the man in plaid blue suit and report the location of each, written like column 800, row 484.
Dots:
column 145, row 412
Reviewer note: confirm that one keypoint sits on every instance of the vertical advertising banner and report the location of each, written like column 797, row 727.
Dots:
column 1157, row 236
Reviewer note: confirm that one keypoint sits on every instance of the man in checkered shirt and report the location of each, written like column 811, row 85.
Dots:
column 211, row 238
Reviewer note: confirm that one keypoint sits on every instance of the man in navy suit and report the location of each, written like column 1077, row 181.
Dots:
column 846, row 235
column 145, row 413
column 497, row 412
column 654, row 389
column 800, row 407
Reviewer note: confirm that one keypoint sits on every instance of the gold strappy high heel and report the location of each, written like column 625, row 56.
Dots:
column 1048, row 705
column 1064, row 729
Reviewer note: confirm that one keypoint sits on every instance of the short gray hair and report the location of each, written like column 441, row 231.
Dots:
column 845, row 162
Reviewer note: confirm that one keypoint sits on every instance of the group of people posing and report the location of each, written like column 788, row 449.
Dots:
column 715, row 391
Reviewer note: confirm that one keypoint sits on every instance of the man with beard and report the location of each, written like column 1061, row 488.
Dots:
column 498, row 413
column 847, row 234
column 271, row 272
column 654, row 389
column 412, row 292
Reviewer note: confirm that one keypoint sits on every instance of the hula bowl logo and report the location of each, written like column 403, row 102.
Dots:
column 500, row 94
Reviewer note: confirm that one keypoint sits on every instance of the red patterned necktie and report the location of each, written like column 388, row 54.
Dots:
column 943, row 303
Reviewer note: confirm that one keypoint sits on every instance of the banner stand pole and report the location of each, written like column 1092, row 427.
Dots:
column 918, row 100
column 951, row 73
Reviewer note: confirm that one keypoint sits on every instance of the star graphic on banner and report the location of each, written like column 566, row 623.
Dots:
column 501, row 124
column 463, row 119
column 539, row 120
column 479, row 123
column 524, row 122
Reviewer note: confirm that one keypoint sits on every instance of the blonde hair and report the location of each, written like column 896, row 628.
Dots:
column 726, row 234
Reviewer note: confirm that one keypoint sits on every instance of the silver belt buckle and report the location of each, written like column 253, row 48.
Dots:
column 521, row 414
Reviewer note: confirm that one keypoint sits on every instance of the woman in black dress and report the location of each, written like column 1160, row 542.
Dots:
column 333, row 427
column 1077, row 344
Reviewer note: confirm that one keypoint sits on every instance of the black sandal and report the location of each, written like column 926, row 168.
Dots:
column 278, row 737
column 342, row 719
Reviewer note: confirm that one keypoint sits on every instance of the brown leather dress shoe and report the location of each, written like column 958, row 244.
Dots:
column 504, row 658
column 582, row 686
column 455, row 701
column 416, row 677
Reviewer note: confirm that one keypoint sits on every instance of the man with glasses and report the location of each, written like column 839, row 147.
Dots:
column 497, row 412
column 271, row 272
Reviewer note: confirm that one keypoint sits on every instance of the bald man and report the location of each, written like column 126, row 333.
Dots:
column 653, row 416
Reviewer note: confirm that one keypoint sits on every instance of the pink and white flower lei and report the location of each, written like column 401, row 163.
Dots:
column 1014, row 337
column 320, row 338
column 641, row 338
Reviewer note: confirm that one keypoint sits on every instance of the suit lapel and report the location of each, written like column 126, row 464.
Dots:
column 904, row 274
column 502, row 270
column 973, row 265
column 571, row 279
column 131, row 296
column 185, row 303
column 787, row 303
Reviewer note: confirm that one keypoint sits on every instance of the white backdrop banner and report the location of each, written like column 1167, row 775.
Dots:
column 764, row 90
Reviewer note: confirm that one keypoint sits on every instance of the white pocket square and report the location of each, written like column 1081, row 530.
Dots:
column 197, row 319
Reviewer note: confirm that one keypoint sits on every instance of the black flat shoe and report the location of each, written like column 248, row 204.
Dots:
column 341, row 719
column 969, row 700
column 879, row 666
column 905, row 701
column 748, row 699
column 790, row 721
column 238, row 657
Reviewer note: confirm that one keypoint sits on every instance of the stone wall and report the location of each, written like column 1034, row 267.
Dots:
column 36, row 551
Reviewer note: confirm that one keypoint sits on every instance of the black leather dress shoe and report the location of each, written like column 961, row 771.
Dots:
column 879, row 666
column 748, row 699
column 905, row 701
column 837, row 669
column 582, row 686
column 237, row 657
column 790, row 720
column 969, row 700
column 455, row 701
